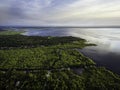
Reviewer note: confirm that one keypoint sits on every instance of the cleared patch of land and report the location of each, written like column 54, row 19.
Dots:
column 10, row 32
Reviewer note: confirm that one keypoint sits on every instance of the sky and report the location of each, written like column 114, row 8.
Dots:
column 60, row 12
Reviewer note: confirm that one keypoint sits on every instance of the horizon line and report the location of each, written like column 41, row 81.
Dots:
column 28, row 26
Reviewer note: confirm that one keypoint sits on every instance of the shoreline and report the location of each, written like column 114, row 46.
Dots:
column 54, row 62
column 102, row 60
column 84, row 53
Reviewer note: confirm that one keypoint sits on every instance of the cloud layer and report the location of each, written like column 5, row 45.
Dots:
column 60, row 12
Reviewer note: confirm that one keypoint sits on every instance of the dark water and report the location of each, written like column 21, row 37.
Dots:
column 107, row 53
column 110, row 60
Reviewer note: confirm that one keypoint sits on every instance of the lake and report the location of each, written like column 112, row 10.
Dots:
column 107, row 51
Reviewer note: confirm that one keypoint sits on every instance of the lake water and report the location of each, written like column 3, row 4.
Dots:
column 107, row 53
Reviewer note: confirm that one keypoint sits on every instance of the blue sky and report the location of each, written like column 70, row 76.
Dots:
column 60, row 12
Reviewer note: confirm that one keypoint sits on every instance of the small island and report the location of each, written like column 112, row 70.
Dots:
column 50, row 63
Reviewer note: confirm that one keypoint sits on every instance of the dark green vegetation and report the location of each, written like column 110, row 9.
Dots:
column 91, row 79
column 50, row 63
column 19, row 41
column 45, row 58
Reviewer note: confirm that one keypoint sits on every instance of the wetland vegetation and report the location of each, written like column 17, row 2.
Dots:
column 50, row 63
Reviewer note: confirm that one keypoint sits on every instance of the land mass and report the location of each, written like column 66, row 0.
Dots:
column 50, row 63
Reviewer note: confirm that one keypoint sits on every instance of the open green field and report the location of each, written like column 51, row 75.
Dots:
column 50, row 63
column 10, row 32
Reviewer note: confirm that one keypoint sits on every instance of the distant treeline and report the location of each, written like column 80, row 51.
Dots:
column 33, row 41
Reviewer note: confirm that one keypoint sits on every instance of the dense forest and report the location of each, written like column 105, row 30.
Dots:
column 50, row 63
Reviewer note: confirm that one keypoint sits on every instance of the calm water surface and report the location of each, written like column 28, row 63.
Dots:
column 107, row 53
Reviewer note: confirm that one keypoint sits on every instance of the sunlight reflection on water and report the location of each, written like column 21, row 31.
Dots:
column 107, row 38
column 107, row 51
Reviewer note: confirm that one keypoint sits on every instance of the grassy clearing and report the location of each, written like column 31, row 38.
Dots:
column 10, row 32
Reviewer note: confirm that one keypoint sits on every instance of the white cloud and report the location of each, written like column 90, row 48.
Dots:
column 55, row 12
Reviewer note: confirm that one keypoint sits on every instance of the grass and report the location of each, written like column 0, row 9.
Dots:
column 10, row 32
